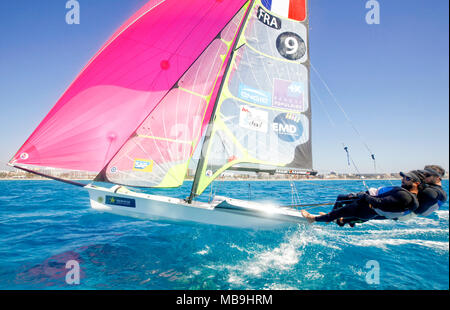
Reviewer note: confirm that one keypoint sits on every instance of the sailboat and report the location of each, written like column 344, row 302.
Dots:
column 226, row 78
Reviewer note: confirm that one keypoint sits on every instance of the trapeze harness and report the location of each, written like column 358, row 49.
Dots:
column 390, row 203
column 390, row 209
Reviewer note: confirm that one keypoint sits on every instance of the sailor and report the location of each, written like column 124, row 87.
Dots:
column 375, row 192
column 395, row 203
column 431, row 195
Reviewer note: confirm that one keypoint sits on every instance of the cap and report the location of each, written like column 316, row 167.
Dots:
column 420, row 174
column 432, row 172
column 413, row 176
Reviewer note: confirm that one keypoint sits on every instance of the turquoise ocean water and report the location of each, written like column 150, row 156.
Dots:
column 44, row 224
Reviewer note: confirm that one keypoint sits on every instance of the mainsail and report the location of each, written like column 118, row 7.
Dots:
column 262, row 115
column 147, row 68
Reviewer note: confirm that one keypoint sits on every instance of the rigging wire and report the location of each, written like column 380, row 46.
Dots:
column 333, row 124
column 350, row 159
column 372, row 154
column 295, row 198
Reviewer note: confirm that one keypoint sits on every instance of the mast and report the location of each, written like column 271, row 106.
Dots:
column 209, row 130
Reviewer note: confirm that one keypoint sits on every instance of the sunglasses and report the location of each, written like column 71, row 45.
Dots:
column 407, row 178
column 427, row 175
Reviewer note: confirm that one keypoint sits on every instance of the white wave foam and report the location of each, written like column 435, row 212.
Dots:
column 383, row 243
column 238, row 248
column 416, row 221
column 203, row 252
column 280, row 287
column 407, row 231
column 382, row 236
column 442, row 214
column 282, row 258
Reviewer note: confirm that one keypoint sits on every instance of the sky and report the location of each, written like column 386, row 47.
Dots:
column 377, row 88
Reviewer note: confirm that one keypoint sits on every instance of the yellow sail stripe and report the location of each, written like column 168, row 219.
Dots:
column 193, row 93
column 175, row 176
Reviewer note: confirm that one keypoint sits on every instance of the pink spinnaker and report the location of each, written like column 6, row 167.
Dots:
column 124, row 82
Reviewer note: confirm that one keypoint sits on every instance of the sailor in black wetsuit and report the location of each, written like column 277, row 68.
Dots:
column 393, row 204
column 431, row 195
column 352, row 221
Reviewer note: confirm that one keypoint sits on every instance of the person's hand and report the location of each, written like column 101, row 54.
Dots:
column 362, row 195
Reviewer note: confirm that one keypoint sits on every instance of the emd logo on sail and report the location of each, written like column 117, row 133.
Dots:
column 288, row 127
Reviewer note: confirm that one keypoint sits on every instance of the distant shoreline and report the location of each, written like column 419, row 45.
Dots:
column 228, row 180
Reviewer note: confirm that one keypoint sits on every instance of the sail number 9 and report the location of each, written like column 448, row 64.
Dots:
column 291, row 46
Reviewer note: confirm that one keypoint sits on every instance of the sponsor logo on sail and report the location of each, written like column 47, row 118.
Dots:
column 268, row 19
column 253, row 119
column 143, row 165
column 288, row 127
column 289, row 95
column 119, row 201
column 255, row 95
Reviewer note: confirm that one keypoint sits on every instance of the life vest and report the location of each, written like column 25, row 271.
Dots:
column 407, row 214
column 432, row 208
column 442, row 197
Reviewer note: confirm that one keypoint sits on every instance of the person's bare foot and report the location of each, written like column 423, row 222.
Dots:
column 309, row 217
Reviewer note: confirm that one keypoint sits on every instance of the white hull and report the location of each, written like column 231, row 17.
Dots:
column 222, row 211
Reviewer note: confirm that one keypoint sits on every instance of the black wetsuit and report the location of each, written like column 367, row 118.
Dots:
column 431, row 196
column 396, row 200
column 346, row 200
